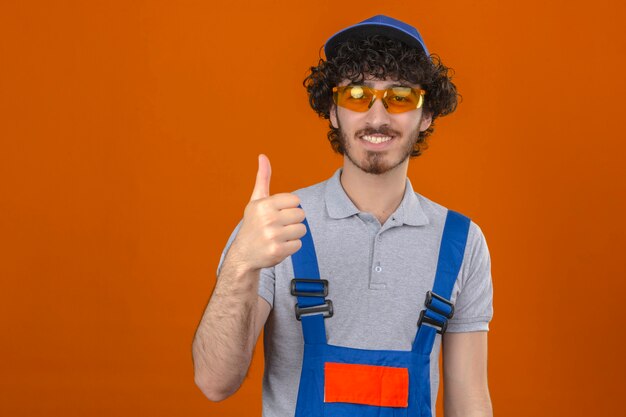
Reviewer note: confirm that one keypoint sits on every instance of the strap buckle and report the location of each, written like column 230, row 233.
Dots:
column 314, row 288
column 440, row 325
column 429, row 304
column 326, row 308
column 311, row 292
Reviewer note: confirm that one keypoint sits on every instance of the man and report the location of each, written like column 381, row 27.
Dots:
column 357, row 280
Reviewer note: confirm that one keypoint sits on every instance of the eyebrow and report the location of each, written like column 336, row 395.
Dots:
column 370, row 84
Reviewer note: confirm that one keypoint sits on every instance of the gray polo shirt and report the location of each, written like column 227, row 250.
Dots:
column 378, row 278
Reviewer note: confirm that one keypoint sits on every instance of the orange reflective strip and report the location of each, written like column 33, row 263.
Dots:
column 383, row 386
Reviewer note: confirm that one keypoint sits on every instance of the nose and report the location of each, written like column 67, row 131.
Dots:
column 377, row 115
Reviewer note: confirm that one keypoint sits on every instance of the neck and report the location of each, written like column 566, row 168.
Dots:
column 379, row 195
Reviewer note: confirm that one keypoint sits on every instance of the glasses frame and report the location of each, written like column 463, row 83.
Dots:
column 378, row 94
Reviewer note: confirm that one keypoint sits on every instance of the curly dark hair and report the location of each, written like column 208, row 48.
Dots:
column 381, row 57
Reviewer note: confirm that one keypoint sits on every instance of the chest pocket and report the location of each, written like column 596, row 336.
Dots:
column 381, row 386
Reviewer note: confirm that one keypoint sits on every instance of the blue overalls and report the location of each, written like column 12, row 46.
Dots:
column 346, row 382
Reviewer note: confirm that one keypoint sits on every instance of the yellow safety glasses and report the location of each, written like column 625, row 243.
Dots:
column 395, row 99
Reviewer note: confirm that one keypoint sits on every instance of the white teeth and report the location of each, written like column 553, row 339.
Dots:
column 376, row 139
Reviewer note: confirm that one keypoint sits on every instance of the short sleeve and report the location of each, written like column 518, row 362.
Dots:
column 266, row 276
column 473, row 307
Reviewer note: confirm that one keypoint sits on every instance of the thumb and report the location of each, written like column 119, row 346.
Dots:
column 262, row 185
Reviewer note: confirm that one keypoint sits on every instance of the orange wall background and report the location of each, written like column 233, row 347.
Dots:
column 122, row 174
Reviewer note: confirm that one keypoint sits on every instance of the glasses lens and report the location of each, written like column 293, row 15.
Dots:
column 401, row 99
column 396, row 100
column 353, row 97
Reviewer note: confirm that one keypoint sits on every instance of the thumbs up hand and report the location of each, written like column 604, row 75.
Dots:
column 272, row 224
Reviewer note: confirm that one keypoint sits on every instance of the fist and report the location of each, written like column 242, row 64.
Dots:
column 272, row 224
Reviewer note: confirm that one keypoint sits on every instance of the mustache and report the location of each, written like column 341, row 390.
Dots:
column 383, row 130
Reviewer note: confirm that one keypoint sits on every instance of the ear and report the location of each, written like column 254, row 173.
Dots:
column 333, row 116
column 427, row 119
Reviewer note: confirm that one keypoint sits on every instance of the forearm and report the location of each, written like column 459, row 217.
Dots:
column 225, row 339
column 465, row 382
column 475, row 404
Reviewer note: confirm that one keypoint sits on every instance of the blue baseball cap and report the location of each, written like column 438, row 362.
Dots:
column 377, row 25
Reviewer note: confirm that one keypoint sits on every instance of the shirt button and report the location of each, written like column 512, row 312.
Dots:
column 379, row 238
column 378, row 268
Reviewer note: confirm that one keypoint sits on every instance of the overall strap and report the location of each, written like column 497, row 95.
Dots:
column 312, row 306
column 434, row 319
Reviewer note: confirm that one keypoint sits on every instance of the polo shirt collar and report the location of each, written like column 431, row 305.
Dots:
column 339, row 205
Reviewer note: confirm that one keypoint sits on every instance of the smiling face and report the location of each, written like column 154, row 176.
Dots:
column 377, row 141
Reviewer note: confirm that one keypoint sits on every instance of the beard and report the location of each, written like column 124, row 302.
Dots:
column 375, row 162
